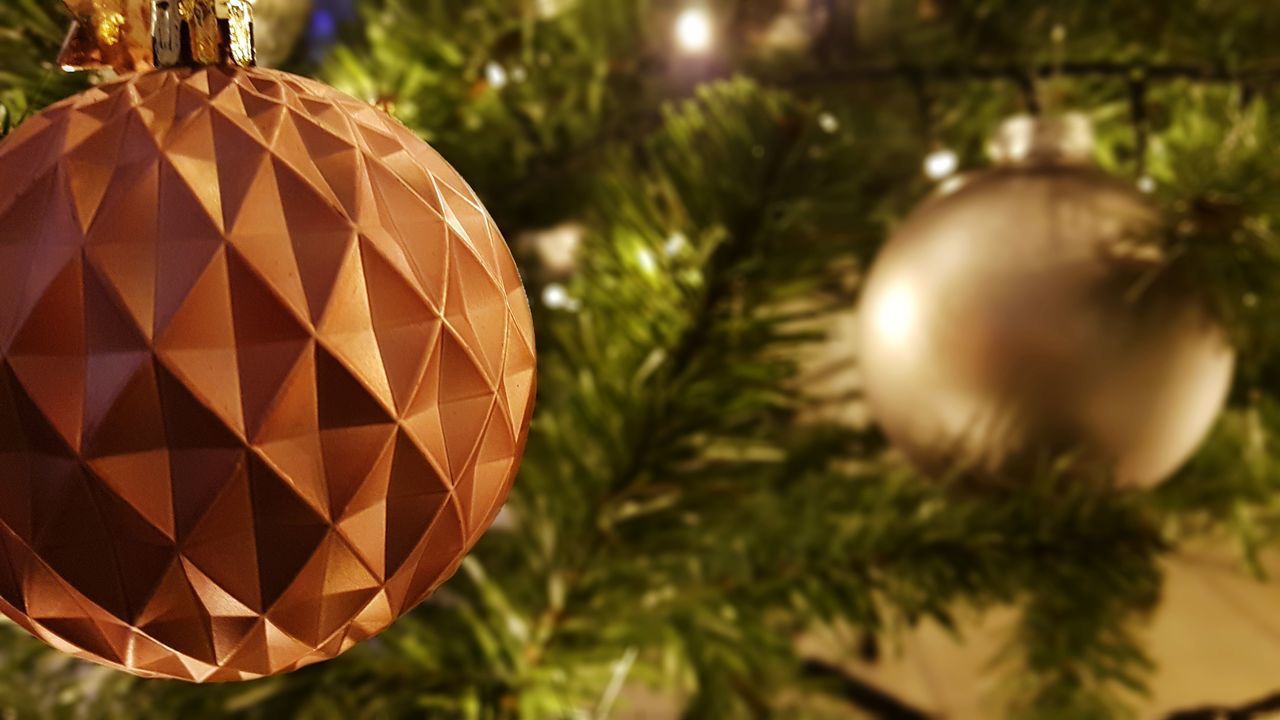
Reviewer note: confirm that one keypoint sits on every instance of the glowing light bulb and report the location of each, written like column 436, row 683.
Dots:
column 693, row 30
column 1147, row 184
column 941, row 164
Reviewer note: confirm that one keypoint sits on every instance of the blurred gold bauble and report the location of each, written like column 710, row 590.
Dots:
column 1022, row 313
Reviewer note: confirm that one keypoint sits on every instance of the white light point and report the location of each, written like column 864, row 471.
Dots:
column 495, row 74
column 556, row 297
column 675, row 244
column 693, row 30
column 941, row 164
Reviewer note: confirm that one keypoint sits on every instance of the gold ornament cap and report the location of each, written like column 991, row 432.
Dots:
column 138, row 35
column 1029, row 140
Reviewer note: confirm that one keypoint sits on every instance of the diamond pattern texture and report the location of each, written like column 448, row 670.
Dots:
column 266, row 372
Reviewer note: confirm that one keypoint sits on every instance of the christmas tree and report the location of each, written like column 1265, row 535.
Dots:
column 695, row 191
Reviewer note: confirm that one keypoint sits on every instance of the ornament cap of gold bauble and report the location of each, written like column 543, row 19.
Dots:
column 1027, row 312
column 1026, row 139
column 139, row 35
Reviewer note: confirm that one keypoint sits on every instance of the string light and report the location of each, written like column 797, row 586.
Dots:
column 941, row 164
column 693, row 30
column 495, row 74
column 675, row 244
column 556, row 297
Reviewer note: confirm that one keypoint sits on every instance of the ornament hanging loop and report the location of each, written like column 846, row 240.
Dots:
column 924, row 103
column 1141, row 123
column 138, row 35
column 1026, row 85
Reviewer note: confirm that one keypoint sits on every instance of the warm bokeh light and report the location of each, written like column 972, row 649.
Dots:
column 557, row 297
column 941, row 164
column 693, row 30
column 495, row 74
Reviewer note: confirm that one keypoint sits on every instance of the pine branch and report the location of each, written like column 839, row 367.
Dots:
column 684, row 368
column 1258, row 709
column 30, row 34
column 863, row 696
column 670, row 507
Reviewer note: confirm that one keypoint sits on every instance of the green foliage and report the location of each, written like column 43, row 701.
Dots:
column 30, row 33
column 561, row 79
column 681, row 519
column 1229, row 33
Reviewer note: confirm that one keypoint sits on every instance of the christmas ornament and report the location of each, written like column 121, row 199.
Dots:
column 267, row 364
column 1024, row 312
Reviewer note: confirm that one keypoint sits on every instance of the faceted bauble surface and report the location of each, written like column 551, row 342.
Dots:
column 266, row 370
column 1024, row 314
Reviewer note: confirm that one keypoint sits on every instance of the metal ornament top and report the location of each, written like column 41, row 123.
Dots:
column 139, row 35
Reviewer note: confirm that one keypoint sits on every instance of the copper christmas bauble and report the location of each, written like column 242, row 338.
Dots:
column 1024, row 313
column 268, row 369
